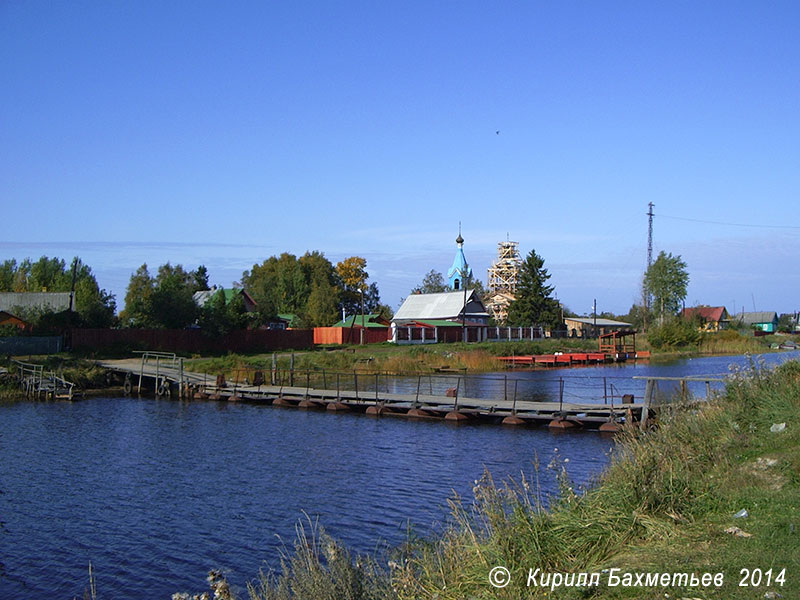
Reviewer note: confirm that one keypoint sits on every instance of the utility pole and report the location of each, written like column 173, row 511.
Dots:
column 650, row 234
column 645, row 293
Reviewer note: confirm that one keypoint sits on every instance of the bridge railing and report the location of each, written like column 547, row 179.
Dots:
column 365, row 383
column 673, row 389
column 165, row 364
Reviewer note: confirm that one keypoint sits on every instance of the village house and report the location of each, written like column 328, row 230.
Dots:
column 593, row 327
column 7, row 319
column 765, row 321
column 711, row 318
column 203, row 296
column 20, row 302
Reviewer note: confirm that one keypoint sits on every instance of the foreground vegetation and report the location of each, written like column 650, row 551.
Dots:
column 667, row 504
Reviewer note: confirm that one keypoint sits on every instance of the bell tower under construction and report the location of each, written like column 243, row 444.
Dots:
column 503, row 279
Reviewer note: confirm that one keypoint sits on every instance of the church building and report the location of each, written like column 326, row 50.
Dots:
column 446, row 316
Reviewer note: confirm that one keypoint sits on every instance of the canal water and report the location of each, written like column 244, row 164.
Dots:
column 154, row 493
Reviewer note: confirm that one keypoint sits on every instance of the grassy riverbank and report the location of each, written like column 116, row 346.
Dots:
column 404, row 360
column 665, row 505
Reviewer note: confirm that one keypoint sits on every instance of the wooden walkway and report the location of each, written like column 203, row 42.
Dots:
column 165, row 376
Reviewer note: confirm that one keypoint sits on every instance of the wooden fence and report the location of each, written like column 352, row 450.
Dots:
column 348, row 335
column 193, row 340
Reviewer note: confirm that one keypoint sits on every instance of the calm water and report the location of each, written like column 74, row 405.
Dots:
column 155, row 493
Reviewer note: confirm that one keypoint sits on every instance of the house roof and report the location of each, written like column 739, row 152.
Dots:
column 7, row 317
column 709, row 313
column 751, row 318
column 444, row 305
column 368, row 321
column 46, row 301
column 204, row 296
column 290, row 318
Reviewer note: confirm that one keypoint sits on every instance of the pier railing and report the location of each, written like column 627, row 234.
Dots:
column 592, row 389
column 167, row 365
column 667, row 390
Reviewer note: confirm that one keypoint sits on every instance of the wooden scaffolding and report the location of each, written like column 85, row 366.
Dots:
column 503, row 278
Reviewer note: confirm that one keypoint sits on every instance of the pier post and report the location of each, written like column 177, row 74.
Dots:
column 141, row 374
column 416, row 400
column 649, row 390
column 274, row 372
column 291, row 371
column 514, row 405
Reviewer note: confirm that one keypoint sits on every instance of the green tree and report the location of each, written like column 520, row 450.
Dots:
column 8, row 271
column 137, row 299
column 433, row 283
column 163, row 302
column 171, row 303
column 322, row 309
column 213, row 318
column 236, row 311
column 49, row 274
column 278, row 285
column 200, row 279
column 666, row 281
column 533, row 304
column 286, row 284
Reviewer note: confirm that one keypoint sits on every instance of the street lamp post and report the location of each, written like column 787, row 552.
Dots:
column 464, row 309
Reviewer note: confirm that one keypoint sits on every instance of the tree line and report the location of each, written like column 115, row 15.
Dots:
column 310, row 288
column 93, row 306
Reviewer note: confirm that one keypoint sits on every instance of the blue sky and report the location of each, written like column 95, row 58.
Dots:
column 223, row 133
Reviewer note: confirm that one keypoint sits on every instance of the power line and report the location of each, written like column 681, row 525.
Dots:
column 729, row 224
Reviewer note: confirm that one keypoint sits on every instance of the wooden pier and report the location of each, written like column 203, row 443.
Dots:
column 563, row 359
column 164, row 376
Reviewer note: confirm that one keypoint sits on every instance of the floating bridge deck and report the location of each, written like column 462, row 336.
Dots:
column 165, row 376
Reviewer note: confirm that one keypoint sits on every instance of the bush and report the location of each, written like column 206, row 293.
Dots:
column 674, row 333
